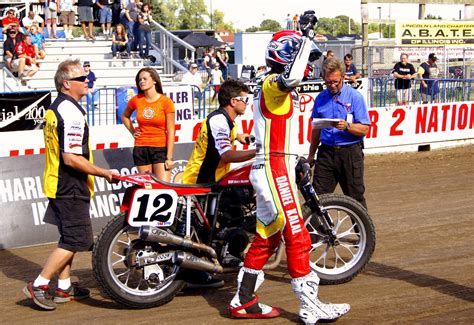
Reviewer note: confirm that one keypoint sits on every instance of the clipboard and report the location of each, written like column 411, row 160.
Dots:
column 322, row 123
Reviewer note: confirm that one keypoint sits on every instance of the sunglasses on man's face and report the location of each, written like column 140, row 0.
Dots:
column 80, row 79
column 243, row 99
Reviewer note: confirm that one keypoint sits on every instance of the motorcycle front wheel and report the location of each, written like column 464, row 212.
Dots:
column 341, row 257
column 114, row 264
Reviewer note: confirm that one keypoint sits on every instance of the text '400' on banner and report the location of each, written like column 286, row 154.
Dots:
column 435, row 33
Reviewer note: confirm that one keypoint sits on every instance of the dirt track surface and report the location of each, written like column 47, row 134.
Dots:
column 422, row 270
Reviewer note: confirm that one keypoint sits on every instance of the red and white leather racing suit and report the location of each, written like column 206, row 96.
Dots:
column 272, row 175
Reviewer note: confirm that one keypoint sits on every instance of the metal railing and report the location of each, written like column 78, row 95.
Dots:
column 164, row 43
column 382, row 91
column 8, row 75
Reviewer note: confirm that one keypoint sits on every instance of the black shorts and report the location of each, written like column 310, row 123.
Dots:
column 72, row 218
column 149, row 155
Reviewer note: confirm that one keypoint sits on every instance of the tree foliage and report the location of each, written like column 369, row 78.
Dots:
column 219, row 24
column 194, row 14
column 266, row 25
column 183, row 14
column 191, row 14
column 338, row 26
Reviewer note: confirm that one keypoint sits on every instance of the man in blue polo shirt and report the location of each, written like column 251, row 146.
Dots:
column 340, row 157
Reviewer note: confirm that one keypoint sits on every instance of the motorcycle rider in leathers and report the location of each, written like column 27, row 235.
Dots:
column 272, row 176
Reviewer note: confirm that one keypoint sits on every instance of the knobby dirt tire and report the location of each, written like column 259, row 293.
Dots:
column 106, row 282
column 347, row 205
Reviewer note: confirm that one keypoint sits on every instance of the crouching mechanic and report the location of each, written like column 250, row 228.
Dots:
column 272, row 176
column 212, row 154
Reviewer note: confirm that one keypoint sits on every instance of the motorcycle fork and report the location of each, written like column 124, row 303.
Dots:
column 323, row 219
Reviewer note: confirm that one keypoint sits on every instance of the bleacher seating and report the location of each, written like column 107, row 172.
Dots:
column 109, row 71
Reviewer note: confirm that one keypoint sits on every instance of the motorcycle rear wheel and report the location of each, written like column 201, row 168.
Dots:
column 113, row 263
column 343, row 260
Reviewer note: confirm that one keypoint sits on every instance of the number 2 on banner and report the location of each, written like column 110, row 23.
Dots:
column 153, row 208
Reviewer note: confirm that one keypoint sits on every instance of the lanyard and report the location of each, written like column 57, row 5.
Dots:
column 347, row 106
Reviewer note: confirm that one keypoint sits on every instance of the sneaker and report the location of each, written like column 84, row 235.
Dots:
column 75, row 292
column 203, row 280
column 40, row 295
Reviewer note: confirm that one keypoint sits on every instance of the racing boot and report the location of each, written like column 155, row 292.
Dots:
column 311, row 308
column 245, row 303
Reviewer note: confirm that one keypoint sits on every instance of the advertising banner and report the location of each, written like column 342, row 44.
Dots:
column 181, row 96
column 23, row 110
column 23, row 203
column 435, row 33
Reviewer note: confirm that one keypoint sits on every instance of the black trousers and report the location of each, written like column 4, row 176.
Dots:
column 343, row 166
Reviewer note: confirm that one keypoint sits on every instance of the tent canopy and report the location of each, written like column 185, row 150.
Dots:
column 201, row 39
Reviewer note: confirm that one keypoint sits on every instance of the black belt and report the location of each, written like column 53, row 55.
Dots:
column 325, row 146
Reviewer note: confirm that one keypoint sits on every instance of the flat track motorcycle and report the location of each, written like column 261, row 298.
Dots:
column 164, row 228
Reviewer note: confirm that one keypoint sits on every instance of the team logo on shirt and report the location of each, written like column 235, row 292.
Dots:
column 148, row 113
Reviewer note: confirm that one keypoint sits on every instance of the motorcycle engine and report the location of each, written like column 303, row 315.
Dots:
column 232, row 206
column 233, row 242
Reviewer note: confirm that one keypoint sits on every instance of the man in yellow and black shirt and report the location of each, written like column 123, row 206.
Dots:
column 68, row 184
column 212, row 153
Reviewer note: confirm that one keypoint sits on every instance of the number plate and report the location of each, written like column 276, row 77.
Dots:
column 153, row 208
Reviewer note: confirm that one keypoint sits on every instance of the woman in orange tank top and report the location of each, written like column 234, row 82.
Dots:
column 154, row 136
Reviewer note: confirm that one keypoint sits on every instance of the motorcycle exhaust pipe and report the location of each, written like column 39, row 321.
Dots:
column 189, row 261
column 156, row 234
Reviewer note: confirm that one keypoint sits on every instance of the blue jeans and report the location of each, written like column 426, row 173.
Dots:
column 105, row 15
column 131, row 32
column 120, row 48
column 144, row 38
column 91, row 98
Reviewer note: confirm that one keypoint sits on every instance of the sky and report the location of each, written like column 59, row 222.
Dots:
column 247, row 13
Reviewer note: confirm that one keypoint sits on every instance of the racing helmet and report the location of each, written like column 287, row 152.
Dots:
column 282, row 46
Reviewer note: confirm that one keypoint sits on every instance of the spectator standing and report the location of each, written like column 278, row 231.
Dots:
column 13, row 38
column 403, row 72
column 91, row 93
column 154, row 137
column 10, row 20
column 340, row 157
column 85, row 11
column 272, row 176
column 351, row 72
column 144, row 31
column 51, row 17
column 25, row 62
column 37, row 39
column 428, row 72
column 289, row 22
column 215, row 80
column 223, row 59
column 105, row 16
column 295, row 22
column 192, row 77
column 67, row 17
column 209, row 61
column 33, row 19
column 69, row 185
column 261, row 70
column 130, row 21
column 326, row 55
column 120, row 43
column 116, row 12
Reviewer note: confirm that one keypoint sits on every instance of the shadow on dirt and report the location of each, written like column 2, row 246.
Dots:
column 421, row 280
